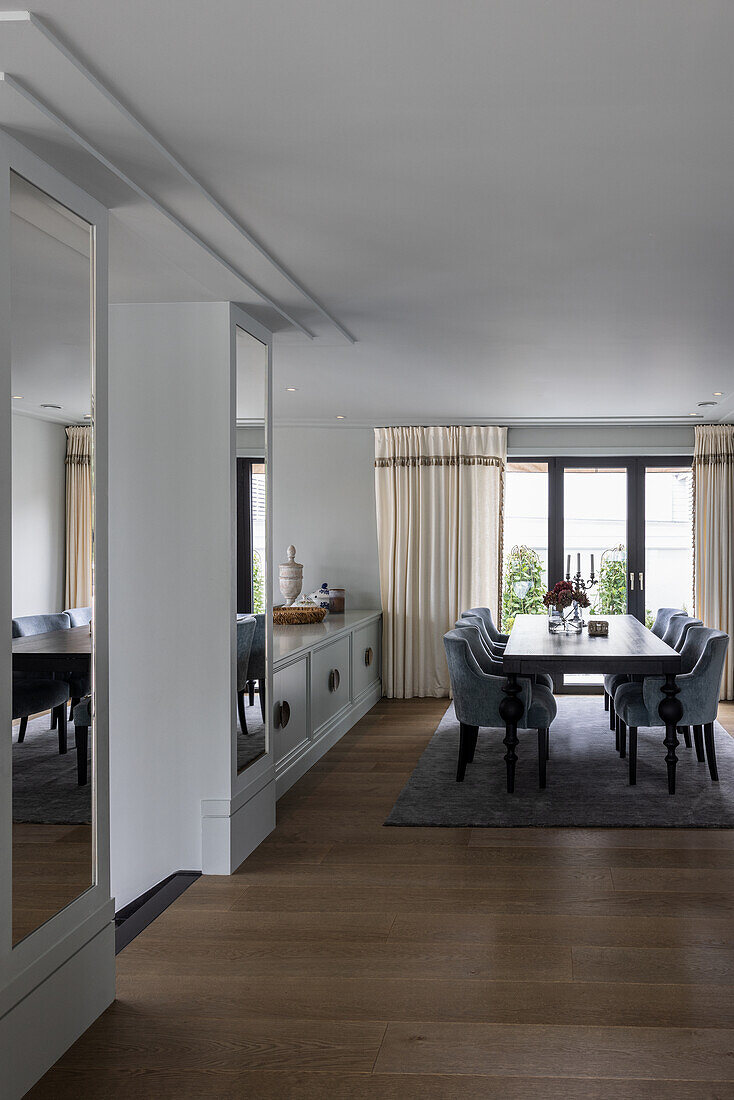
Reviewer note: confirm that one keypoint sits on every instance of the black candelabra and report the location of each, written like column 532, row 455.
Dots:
column 579, row 584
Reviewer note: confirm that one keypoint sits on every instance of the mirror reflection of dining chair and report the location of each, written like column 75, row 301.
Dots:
column 82, row 718
column 79, row 686
column 26, row 626
column 34, row 697
column 246, row 626
column 256, row 670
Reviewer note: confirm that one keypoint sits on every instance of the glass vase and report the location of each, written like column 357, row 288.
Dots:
column 556, row 624
column 574, row 621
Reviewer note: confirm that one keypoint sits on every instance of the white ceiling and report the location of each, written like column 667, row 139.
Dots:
column 520, row 209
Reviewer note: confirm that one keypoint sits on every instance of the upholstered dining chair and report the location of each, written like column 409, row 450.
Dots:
column 485, row 615
column 27, row 625
column 82, row 718
column 246, row 626
column 702, row 659
column 477, row 698
column 256, row 671
column 668, row 622
column 478, row 624
column 79, row 616
column 33, row 697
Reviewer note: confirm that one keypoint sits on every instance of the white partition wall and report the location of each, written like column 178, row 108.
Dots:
column 60, row 977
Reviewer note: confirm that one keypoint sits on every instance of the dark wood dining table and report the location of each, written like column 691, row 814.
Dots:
column 54, row 651
column 628, row 648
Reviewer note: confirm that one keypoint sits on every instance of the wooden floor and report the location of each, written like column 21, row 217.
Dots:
column 349, row 960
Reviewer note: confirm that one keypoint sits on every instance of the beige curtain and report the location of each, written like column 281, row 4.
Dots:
column 78, row 586
column 439, row 531
column 713, row 538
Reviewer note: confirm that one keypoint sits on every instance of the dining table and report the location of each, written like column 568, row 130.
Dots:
column 628, row 648
column 54, row 651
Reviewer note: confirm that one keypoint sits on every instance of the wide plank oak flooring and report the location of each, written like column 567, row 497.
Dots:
column 352, row 961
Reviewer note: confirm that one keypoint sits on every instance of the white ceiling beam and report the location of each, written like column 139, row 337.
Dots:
column 19, row 88
column 165, row 152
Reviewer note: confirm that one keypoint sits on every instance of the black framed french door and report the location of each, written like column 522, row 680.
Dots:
column 632, row 513
column 244, row 536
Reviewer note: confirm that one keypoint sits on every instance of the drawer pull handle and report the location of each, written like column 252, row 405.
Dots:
column 282, row 715
column 334, row 679
column 368, row 655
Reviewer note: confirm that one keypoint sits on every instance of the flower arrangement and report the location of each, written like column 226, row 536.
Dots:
column 563, row 594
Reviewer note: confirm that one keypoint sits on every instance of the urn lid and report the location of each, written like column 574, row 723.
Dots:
column 291, row 552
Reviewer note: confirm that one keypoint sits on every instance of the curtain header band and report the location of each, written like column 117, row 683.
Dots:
column 439, row 460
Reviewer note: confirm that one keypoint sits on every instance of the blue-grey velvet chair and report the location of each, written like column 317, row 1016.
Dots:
column 27, row 625
column 616, row 679
column 702, row 660
column 486, row 616
column 79, row 616
column 34, row 696
column 82, row 718
column 246, row 627
column 496, row 653
column 477, row 698
column 256, row 671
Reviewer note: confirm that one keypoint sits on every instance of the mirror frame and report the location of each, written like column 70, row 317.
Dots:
column 33, row 958
column 261, row 771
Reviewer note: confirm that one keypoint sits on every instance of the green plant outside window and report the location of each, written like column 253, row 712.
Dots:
column 522, row 564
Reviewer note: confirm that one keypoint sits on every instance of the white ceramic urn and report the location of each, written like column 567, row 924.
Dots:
column 290, row 575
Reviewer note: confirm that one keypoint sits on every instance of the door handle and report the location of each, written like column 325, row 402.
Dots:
column 282, row 715
column 334, row 679
column 632, row 582
column 641, row 580
column 368, row 656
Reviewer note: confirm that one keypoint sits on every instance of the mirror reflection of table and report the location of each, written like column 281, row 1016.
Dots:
column 628, row 648
column 54, row 651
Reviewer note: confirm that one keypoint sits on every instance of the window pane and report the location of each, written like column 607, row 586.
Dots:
column 525, row 571
column 668, row 539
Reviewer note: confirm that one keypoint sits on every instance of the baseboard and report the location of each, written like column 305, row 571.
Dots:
column 40, row 1028
column 231, row 829
column 297, row 766
column 138, row 914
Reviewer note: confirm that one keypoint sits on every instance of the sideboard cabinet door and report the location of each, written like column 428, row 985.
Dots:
column 330, row 682
column 290, row 716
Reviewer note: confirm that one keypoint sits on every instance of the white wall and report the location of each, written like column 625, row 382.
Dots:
column 39, row 511
column 170, row 585
column 324, row 503
column 605, row 439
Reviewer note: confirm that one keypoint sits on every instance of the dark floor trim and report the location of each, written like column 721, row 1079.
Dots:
column 138, row 914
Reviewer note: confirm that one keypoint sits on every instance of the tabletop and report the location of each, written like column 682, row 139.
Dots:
column 53, row 648
column 629, row 647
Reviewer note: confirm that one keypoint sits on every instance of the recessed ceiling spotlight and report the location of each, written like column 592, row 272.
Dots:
column 718, row 393
column 87, row 416
column 341, row 417
column 694, row 414
column 17, row 397
column 48, row 405
column 291, row 389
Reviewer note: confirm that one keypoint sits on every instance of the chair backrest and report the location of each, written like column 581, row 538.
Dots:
column 702, row 657
column 473, row 619
column 476, row 695
column 679, row 630
column 485, row 615
column 79, row 616
column 26, row 625
column 673, row 629
column 663, row 618
column 483, row 655
column 256, row 670
column 245, row 633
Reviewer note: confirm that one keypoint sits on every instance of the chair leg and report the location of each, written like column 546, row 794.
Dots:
column 81, row 740
column 606, row 699
column 261, row 693
column 622, row 739
column 542, row 757
column 473, row 745
column 74, row 703
column 61, row 714
column 54, row 718
column 698, row 742
column 547, row 744
column 633, row 755
column 466, row 736
column 23, row 728
column 251, row 692
column 708, row 737
column 685, row 733
column 241, row 710
column 612, row 714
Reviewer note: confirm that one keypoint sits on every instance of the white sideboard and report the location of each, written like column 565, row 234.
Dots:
column 325, row 678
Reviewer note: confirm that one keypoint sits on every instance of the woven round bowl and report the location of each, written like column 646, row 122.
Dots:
column 288, row 616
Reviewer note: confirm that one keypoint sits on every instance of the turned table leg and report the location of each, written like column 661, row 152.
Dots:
column 671, row 712
column 511, row 711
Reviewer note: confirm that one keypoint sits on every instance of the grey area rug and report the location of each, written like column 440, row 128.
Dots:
column 587, row 780
column 45, row 790
column 252, row 744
